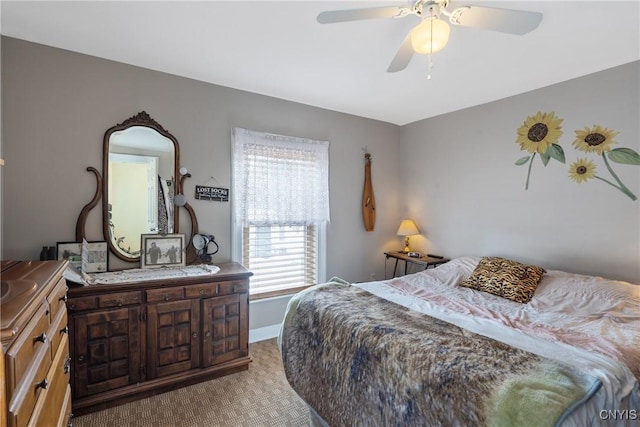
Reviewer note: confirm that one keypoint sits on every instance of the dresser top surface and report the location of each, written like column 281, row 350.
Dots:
column 23, row 284
column 228, row 271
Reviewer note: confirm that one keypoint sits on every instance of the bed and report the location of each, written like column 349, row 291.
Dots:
column 431, row 349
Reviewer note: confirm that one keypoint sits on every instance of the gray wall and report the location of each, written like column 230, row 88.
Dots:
column 463, row 189
column 454, row 174
column 58, row 104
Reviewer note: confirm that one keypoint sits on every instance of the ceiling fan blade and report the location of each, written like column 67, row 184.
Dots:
column 403, row 57
column 333, row 16
column 504, row 20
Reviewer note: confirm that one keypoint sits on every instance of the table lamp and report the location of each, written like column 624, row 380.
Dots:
column 407, row 228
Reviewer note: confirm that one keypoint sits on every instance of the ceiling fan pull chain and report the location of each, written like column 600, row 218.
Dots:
column 430, row 66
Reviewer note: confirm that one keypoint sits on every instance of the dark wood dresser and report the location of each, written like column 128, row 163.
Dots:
column 35, row 344
column 136, row 339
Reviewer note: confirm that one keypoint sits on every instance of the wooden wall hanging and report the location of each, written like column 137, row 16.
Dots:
column 368, row 199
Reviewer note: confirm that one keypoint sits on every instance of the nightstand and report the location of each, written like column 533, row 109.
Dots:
column 425, row 260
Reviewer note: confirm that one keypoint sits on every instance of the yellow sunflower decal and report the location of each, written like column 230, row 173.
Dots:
column 597, row 138
column 539, row 132
column 582, row 170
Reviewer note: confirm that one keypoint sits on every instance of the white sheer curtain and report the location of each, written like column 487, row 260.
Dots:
column 279, row 179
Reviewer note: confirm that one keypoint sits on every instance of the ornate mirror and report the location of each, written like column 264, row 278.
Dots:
column 140, row 166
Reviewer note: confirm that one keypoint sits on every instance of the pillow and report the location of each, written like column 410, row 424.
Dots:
column 505, row 278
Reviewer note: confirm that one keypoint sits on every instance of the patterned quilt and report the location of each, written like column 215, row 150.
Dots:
column 360, row 360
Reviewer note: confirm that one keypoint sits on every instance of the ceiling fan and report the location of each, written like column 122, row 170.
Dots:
column 432, row 34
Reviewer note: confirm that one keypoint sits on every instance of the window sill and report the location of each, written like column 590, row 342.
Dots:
column 257, row 295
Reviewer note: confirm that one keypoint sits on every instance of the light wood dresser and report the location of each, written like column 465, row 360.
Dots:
column 35, row 345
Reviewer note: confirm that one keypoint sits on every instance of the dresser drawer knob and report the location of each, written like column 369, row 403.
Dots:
column 207, row 334
column 81, row 358
column 44, row 384
column 194, row 335
column 65, row 330
column 63, row 298
column 67, row 365
column 201, row 291
column 42, row 338
column 165, row 297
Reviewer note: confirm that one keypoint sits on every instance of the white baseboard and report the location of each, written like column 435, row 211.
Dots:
column 264, row 333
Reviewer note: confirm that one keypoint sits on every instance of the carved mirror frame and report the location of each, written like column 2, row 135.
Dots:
column 141, row 119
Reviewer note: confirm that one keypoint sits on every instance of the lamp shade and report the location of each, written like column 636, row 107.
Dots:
column 430, row 36
column 408, row 228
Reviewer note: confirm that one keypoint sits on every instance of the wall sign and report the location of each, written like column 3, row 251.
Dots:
column 212, row 193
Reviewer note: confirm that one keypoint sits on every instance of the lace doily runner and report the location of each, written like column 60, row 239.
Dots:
column 146, row 274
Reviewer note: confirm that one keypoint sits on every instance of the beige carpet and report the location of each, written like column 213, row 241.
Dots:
column 258, row 397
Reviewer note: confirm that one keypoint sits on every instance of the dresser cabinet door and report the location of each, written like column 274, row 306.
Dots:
column 172, row 337
column 225, row 326
column 106, row 350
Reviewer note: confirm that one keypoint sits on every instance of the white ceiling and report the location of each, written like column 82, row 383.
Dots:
column 278, row 49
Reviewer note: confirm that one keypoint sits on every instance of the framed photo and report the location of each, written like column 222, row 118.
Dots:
column 95, row 257
column 72, row 252
column 162, row 250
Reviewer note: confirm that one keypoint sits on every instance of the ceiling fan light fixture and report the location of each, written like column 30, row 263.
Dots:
column 430, row 36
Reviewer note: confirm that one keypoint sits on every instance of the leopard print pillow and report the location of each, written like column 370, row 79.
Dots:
column 505, row 278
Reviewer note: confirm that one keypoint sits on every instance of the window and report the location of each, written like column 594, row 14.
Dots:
column 280, row 206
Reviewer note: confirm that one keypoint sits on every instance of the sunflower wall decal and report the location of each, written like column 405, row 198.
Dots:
column 539, row 134
column 582, row 170
column 598, row 139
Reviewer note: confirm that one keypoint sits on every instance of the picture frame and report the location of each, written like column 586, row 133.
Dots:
column 162, row 250
column 70, row 251
column 95, row 257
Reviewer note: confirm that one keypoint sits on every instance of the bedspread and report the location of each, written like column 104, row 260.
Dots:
column 345, row 348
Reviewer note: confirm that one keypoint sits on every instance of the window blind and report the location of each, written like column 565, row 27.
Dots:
column 280, row 257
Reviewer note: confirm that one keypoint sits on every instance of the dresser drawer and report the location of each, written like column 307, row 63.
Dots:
column 216, row 289
column 165, row 294
column 201, row 290
column 234, row 287
column 52, row 399
column 57, row 298
column 119, row 299
column 82, row 303
column 28, row 390
column 66, row 416
column 57, row 330
column 19, row 356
